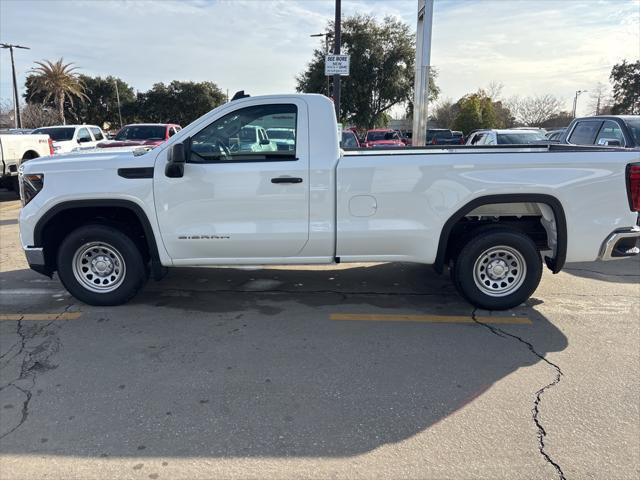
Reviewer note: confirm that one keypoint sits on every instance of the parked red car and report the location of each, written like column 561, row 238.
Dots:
column 382, row 138
column 142, row 134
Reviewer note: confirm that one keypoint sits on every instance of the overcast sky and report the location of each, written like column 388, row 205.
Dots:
column 532, row 47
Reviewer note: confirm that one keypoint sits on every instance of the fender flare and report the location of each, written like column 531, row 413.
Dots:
column 554, row 264
column 38, row 231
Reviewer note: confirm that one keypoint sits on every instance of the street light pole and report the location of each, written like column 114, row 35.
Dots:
column 16, row 101
column 326, row 36
column 423, row 66
column 115, row 81
column 575, row 101
column 336, row 78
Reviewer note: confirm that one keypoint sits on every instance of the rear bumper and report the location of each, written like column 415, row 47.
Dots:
column 36, row 260
column 621, row 243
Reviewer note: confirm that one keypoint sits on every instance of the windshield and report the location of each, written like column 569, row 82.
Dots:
column 57, row 134
column 431, row 134
column 142, row 132
column 375, row 136
column 349, row 140
column 634, row 127
column 520, row 138
column 274, row 134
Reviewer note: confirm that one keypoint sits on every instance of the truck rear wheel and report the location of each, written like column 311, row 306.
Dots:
column 100, row 265
column 498, row 269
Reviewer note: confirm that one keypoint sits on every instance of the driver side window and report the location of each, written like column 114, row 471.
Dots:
column 240, row 136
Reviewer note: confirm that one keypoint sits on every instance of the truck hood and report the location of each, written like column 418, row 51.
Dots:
column 102, row 159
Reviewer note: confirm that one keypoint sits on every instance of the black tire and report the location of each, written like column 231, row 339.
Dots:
column 503, row 250
column 105, row 241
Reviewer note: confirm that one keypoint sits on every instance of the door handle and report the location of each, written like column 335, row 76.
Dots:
column 286, row 180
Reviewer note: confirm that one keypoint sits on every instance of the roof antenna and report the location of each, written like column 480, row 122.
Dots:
column 240, row 95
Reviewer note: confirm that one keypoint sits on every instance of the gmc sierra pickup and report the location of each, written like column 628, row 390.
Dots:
column 107, row 221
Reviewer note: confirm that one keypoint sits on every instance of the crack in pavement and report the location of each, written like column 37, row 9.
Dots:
column 19, row 341
column 535, row 411
column 33, row 362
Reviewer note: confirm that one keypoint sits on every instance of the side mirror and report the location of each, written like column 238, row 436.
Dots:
column 264, row 141
column 84, row 140
column 176, row 158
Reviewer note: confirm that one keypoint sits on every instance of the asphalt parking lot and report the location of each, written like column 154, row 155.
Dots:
column 361, row 371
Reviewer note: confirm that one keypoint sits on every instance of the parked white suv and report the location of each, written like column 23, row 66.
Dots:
column 67, row 138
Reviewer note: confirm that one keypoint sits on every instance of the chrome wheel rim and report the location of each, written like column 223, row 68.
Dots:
column 499, row 271
column 99, row 267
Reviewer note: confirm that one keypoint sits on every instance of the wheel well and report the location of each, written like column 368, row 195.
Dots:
column 541, row 217
column 468, row 226
column 51, row 234
column 30, row 155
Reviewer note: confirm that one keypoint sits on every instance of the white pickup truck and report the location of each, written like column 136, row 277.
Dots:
column 17, row 148
column 491, row 214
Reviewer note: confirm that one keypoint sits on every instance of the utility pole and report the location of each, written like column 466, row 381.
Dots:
column 336, row 50
column 575, row 101
column 423, row 66
column 115, row 81
column 16, row 100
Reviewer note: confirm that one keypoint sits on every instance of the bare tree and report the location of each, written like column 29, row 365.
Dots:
column 444, row 113
column 601, row 100
column 7, row 119
column 494, row 90
column 533, row 111
column 35, row 115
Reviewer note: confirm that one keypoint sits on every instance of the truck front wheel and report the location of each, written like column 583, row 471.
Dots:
column 100, row 265
column 498, row 269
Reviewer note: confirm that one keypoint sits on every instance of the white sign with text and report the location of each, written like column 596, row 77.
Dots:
column 336, row 65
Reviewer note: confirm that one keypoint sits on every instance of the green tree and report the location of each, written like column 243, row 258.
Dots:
column 178, row 102
column 381, row 70
column 562, row 119
column 625, row 78
column 443, row 114
column 102, row 103
column 475, row 111
column 57, row 82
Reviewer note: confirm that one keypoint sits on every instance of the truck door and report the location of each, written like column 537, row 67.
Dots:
column 236, row 201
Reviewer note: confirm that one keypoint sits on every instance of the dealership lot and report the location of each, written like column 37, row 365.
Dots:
column 326, row 372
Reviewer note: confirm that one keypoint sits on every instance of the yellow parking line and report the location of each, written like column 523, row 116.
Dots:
column 375, row 317
column 40, row 316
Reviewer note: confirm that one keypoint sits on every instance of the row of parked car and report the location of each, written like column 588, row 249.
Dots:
column 621, row 130
column 69, row 138
column 613, row 131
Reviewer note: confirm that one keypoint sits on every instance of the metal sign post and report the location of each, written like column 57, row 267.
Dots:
column 336, row 50
column 423, row 65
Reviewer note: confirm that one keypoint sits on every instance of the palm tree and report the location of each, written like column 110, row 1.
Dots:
column 58, row 81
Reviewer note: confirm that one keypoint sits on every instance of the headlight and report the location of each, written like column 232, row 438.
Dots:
column 30, row 185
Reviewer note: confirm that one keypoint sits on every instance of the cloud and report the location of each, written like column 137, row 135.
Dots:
column 531, row 47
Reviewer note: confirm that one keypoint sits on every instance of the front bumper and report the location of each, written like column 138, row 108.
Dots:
column 621, row 243
column 36, row 260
